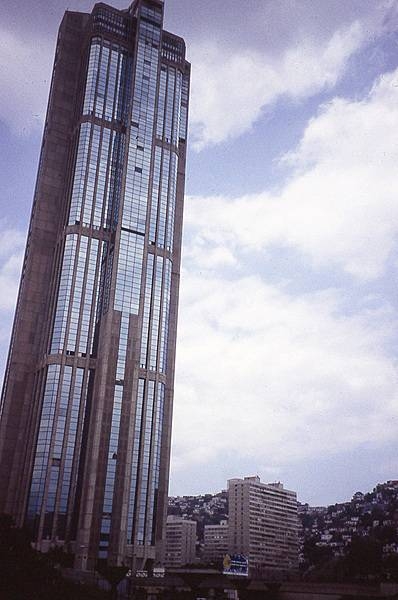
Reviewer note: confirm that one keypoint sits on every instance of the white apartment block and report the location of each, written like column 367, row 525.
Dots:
column 215, row 542
column 263, row 525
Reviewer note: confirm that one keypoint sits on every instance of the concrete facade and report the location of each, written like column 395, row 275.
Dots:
column 87, row 398
column 180, row 542
column 216, row 540
column 263, row 525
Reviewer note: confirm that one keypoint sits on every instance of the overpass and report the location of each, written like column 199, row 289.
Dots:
column 189, row 584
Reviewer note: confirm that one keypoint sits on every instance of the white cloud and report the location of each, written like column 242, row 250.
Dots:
column 277, row 378
column 230, row 87
column 339, row 207
column 25, row 69
column 12, row 244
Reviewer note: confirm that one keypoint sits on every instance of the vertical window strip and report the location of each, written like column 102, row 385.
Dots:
column 155, row 470
column 136, row 186
column 123, row 87
column 135, row 459
column 141, row 130
column 172, row 202
column 111, row 470
column 71, row 448
column 106, row 219
column 91, row 171
column 169, row 109
column 145, row 455
column 43, row 443
column 184, row 107
column 112, row 449
column 101, row 175
column 155, row 195
column 129, row 272
column 80, row 174
column 89, row 298
column 76, row 298
column 107, row 278
column 147, row 311
column 50, row 503
column 156, row 304
column 161, row 102
column 57, row 449
column 104, row 536
column 162, row 210
column 111, row 89
column 101, row 85
column 91, row 80
column 98, row 297
column 116, row 179
column 165, row 317
column 64, row 295
column 118, row 85
column 63, row 403
column 81, row 414
column 101, row 286
column 177, row 109
column 123, row 345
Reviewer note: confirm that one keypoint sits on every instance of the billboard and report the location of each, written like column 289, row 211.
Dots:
column 235, row 564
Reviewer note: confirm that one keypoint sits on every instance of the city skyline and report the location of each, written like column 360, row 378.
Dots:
column 286, row 360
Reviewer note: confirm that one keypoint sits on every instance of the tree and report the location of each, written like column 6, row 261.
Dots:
column 26, row 573
column 113, row 575
column 364, row 559
column 316, row 555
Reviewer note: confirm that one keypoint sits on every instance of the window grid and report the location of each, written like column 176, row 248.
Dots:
column 184, row 107
column 89, row 298
column 76, row 298
column 147, row 310
column 110, row 471
column 92, row 73
column 129, row 272
column 141, row 130
column 123, row 345
column 165, row 317
column 43, row 443
column 71, row 449
column 162, row 206
column 156, row 307
column 135, row 458
column 162, row 215
column 64, row 295
column 144, row 460
column 57, row 448
column 155, row 194
column 171, row 202
column 80, row 174
column 155, row 469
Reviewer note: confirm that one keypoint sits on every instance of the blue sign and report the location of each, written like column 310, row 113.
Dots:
column 236, row 564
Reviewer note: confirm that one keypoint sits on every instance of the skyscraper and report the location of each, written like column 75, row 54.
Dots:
column 87, row 399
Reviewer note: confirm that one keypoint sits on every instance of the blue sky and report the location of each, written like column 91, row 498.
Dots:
column 287, row 343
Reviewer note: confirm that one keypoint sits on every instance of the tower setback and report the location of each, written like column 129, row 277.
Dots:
column 87, row 399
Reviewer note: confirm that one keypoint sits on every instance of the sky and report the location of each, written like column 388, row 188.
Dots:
column 287, row 344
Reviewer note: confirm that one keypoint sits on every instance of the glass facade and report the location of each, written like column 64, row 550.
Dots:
column 101, row 405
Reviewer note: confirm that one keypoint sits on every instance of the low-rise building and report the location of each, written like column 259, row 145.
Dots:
column 180, row 542
column 215, row 545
